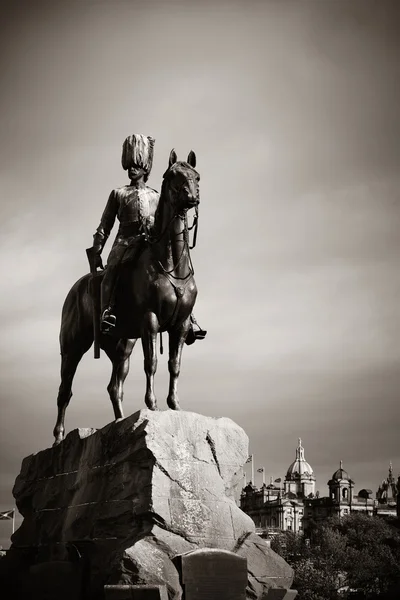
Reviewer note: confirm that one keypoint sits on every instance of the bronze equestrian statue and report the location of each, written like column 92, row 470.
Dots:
column 148, row 284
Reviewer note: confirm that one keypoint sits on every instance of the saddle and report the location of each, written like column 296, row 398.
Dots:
column 133, row 251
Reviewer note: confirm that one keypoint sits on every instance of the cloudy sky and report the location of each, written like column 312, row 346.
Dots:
column 293, row 111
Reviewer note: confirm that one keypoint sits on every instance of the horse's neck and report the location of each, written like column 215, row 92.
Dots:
column 172, row 251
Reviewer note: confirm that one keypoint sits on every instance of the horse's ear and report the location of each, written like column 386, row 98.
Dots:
column 192, row 159
column 172, row 158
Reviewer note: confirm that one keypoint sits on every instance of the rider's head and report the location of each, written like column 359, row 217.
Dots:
column 137, row 156
column 136, row 173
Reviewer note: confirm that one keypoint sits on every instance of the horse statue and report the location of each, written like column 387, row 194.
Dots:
column 155, row 293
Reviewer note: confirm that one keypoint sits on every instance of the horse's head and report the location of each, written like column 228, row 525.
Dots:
column 181, row 181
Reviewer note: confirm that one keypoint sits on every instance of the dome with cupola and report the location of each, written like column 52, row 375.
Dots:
column 300, row 478
column 340, row 474
column 299, row 466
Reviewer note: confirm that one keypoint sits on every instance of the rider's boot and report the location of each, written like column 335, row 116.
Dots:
column 194, row 334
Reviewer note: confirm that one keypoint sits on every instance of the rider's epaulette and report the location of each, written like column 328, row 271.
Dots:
column 152, row 189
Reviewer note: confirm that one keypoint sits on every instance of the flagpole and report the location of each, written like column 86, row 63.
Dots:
column 252, row 470
column 263, row 476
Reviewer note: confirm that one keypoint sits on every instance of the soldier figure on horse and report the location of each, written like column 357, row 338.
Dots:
column 156, row 293
column 135, row 206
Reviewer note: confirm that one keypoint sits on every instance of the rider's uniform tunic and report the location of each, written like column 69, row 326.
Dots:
column 135, row 209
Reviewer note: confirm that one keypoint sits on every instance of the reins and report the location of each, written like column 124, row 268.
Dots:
column 195, row 224
column 186, row 244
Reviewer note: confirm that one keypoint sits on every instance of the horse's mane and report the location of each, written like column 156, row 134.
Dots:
column 159, row 214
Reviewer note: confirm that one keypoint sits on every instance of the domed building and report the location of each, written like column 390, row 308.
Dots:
column 341, row 486
column 340, row 502
column 300, row 478
column 274, row 509
column 297, row 505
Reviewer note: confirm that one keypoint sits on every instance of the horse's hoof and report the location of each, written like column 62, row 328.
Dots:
column 173, row 404
column 59, row 435
column 151, row 404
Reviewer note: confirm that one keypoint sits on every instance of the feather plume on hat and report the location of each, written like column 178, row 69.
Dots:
column 138, row 150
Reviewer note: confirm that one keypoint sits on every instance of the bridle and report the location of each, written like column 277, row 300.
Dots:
column 181, row 214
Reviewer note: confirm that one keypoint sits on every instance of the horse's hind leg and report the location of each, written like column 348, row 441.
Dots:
column 69, row 363
column 119, row 353
column 176, row 340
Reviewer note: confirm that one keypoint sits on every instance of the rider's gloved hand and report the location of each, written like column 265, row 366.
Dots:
column 98, row 263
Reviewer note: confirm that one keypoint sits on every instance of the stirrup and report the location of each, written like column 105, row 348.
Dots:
column 108, row 321
column 193, row 335
column 200, row 334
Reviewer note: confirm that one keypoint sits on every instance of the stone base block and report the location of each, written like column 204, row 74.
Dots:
column 132, row 496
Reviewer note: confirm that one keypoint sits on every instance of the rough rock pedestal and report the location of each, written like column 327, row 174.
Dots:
column 132, row 496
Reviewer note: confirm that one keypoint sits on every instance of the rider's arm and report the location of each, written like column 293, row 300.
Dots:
column 107, row 222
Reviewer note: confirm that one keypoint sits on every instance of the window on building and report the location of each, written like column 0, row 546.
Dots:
column 344, row 493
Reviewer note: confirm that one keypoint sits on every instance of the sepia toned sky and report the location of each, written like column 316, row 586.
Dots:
column 293, row 111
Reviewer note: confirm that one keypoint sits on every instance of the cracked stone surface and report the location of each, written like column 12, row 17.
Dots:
column 139, row 492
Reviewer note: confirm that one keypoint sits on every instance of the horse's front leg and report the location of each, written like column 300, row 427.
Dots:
column 176, row 340
column 149, row 340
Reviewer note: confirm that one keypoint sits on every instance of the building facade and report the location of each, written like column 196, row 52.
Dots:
column 274, row 508
column 296, row 505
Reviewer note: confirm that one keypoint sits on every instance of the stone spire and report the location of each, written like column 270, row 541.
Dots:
column 300, row 451
column 387, row 491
